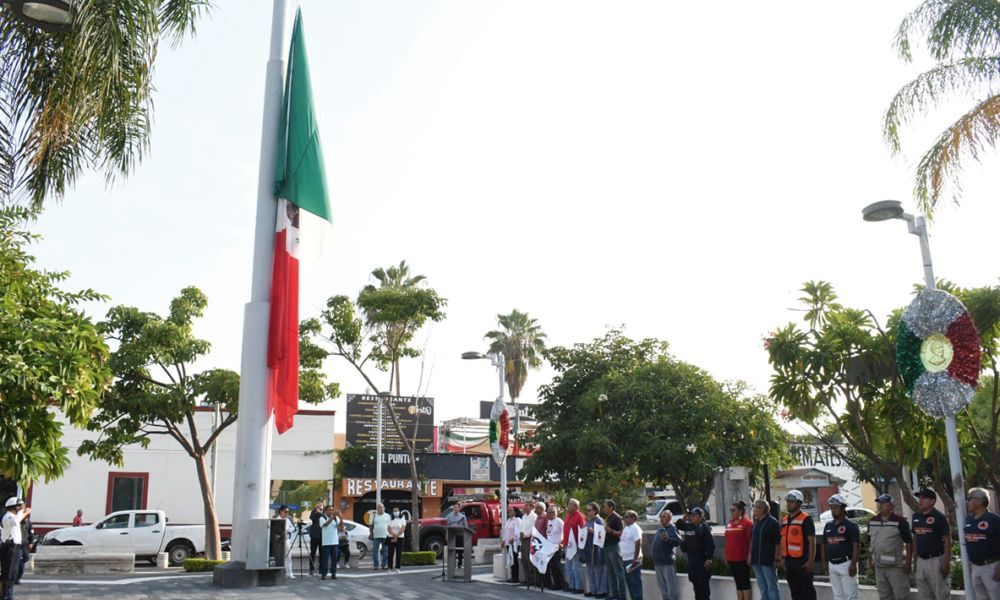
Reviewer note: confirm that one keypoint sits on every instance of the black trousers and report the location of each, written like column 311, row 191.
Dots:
column 800, row 582
column 395, row 552
column 315, row 543
column 700, row 576
column 10, row 562
column 553, row 575
column 515, row 564
column 345, row 553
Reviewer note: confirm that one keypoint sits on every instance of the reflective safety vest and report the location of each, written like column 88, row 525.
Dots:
column 793, row 543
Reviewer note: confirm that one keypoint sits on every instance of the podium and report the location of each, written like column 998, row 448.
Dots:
column 454, row 532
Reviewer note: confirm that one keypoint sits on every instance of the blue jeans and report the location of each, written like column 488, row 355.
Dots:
column 633, row 581
column 380, row 548
column 616, row 572
column 328, row 557
column 573, row 572
column 767, row 581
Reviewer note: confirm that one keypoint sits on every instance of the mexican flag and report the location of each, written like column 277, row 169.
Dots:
column 303, row 223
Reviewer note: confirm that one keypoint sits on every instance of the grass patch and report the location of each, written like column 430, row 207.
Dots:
column 200, row 565
column 410, row 559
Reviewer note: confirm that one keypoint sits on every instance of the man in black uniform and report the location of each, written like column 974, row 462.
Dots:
column 932, row 536
column 841, row 549
column 696, row 540
column 27, row 543
column 982, row 539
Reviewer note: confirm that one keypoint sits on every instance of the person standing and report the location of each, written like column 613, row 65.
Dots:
column 27, row 544
column 527, row 526
column 765, row 550
column 593, row 557
column 283, row 513
column 78, row 519
column 982, row 538
column 798, row 547
column 571, row 530
column 631, row 546
column 664, row 542
column 700, row 548
column 10, row 543
column 458, row 519
column 613, row 528
column 329, row 554
column 511, row 543
column 397, row 536
column 315, row 534
column 554, row 534
column 932, row 538
column 841, row 550
column 739, row 530
column 343, row 541
column 379, row 534
column 890, row 546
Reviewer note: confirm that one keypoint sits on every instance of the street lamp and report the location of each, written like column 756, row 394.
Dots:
column 497, row 360
column 54, row 16
column 380, row 410
column 893, row 209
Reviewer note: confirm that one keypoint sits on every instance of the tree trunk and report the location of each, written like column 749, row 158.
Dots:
column 213, row 544
column 415, row 504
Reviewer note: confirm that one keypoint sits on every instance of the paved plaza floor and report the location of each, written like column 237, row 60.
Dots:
column 364, row 584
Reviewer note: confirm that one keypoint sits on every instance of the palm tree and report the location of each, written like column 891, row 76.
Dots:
column 69, row 101
column 395, row 278
column 522, row 342
column 963, row 37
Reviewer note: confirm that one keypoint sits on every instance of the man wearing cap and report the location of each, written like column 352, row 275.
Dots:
column 10, row 543
column 890, row 547
column 697, row 541
column 932, row 537
column 982, row 539
column 798, row 548
column 840, row 551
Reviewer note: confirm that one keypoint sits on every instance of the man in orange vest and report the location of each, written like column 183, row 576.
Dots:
column 798, row 548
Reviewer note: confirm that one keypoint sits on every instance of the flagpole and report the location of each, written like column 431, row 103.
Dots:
column 253, row 439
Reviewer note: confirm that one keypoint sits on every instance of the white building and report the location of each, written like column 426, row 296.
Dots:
column 163, row 476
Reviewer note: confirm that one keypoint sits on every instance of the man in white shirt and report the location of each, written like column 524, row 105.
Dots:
column 527, row 526
column 553, row 533
column 10, row 544
column 631, row 547
column 379, row 534
column 284, row 513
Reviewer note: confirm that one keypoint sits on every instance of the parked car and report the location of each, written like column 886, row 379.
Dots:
column 853, row 514
column 144, row 531
column 357, row 534
column 658, row 505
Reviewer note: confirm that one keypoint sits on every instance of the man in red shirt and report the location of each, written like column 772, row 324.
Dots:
column 78, row 519
column 571, row 530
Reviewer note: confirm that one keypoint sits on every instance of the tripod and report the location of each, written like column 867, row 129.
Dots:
column 298, row 539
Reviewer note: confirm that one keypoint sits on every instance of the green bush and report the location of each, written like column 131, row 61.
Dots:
column 198, row 565
column 419, row 558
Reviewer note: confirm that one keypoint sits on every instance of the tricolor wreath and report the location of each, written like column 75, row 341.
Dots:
column 938, row 353
column 499, row 431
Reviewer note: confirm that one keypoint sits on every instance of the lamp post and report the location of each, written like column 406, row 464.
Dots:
column 893, row 209
column 54, row 16
column 382, row 398
column 497, row 360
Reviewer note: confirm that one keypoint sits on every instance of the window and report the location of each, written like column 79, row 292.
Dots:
column 116, row 522
column 349, row 526
column 127, row 491
column 146, row 519
column 473, row 513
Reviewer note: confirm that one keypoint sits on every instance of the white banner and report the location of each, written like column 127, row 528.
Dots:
column 541, row 551
column 598, row 535
column 571, row 546
column 582, row 542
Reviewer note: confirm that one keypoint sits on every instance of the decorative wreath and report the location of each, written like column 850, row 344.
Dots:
column 938, row 353
column 499, row 431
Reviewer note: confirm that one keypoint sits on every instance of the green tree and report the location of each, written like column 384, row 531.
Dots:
column 81, row 99
column 156, row 393
column 390, row 316
column 522, row 342
column 51, row 354
column 963, row 38
column 631, row 408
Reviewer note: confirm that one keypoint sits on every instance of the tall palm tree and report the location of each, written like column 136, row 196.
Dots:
column 522, row 342
column 963, row 37
column 395, row 278
column 70, row 101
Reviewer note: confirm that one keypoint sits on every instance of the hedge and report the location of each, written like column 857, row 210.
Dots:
column 198, row 565
column 419, row 558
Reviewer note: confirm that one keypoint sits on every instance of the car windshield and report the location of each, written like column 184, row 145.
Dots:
column 654, row 507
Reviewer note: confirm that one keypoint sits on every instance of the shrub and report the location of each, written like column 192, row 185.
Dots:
column 419, row 558
column 198, row 565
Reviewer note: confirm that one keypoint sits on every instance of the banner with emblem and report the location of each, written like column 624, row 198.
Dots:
column 582, row 542
column 542, row 551
column 571, row 545
column 598, row 535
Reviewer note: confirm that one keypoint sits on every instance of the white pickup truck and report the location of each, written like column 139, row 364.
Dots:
column 143, row 531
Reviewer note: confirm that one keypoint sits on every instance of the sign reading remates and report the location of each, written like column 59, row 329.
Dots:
column 416, row 416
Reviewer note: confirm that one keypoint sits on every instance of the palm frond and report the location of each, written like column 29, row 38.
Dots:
column 937, row 174
column 179, row 17
column 951, row 28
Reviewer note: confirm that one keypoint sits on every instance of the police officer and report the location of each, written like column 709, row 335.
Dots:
column 798, row 547
column 700, row 547
column 840, row 551
column 27, row 544
column 10, row 543
column 932, row 536
column 982, row 538
column 890, row 546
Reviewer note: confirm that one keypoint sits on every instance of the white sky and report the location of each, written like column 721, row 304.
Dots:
column 677, row 167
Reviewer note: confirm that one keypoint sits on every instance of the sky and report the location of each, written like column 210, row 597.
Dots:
column 679, row 168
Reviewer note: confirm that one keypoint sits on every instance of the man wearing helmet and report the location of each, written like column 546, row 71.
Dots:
column 798, row 548
column 10, row 543
column 840, row 551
